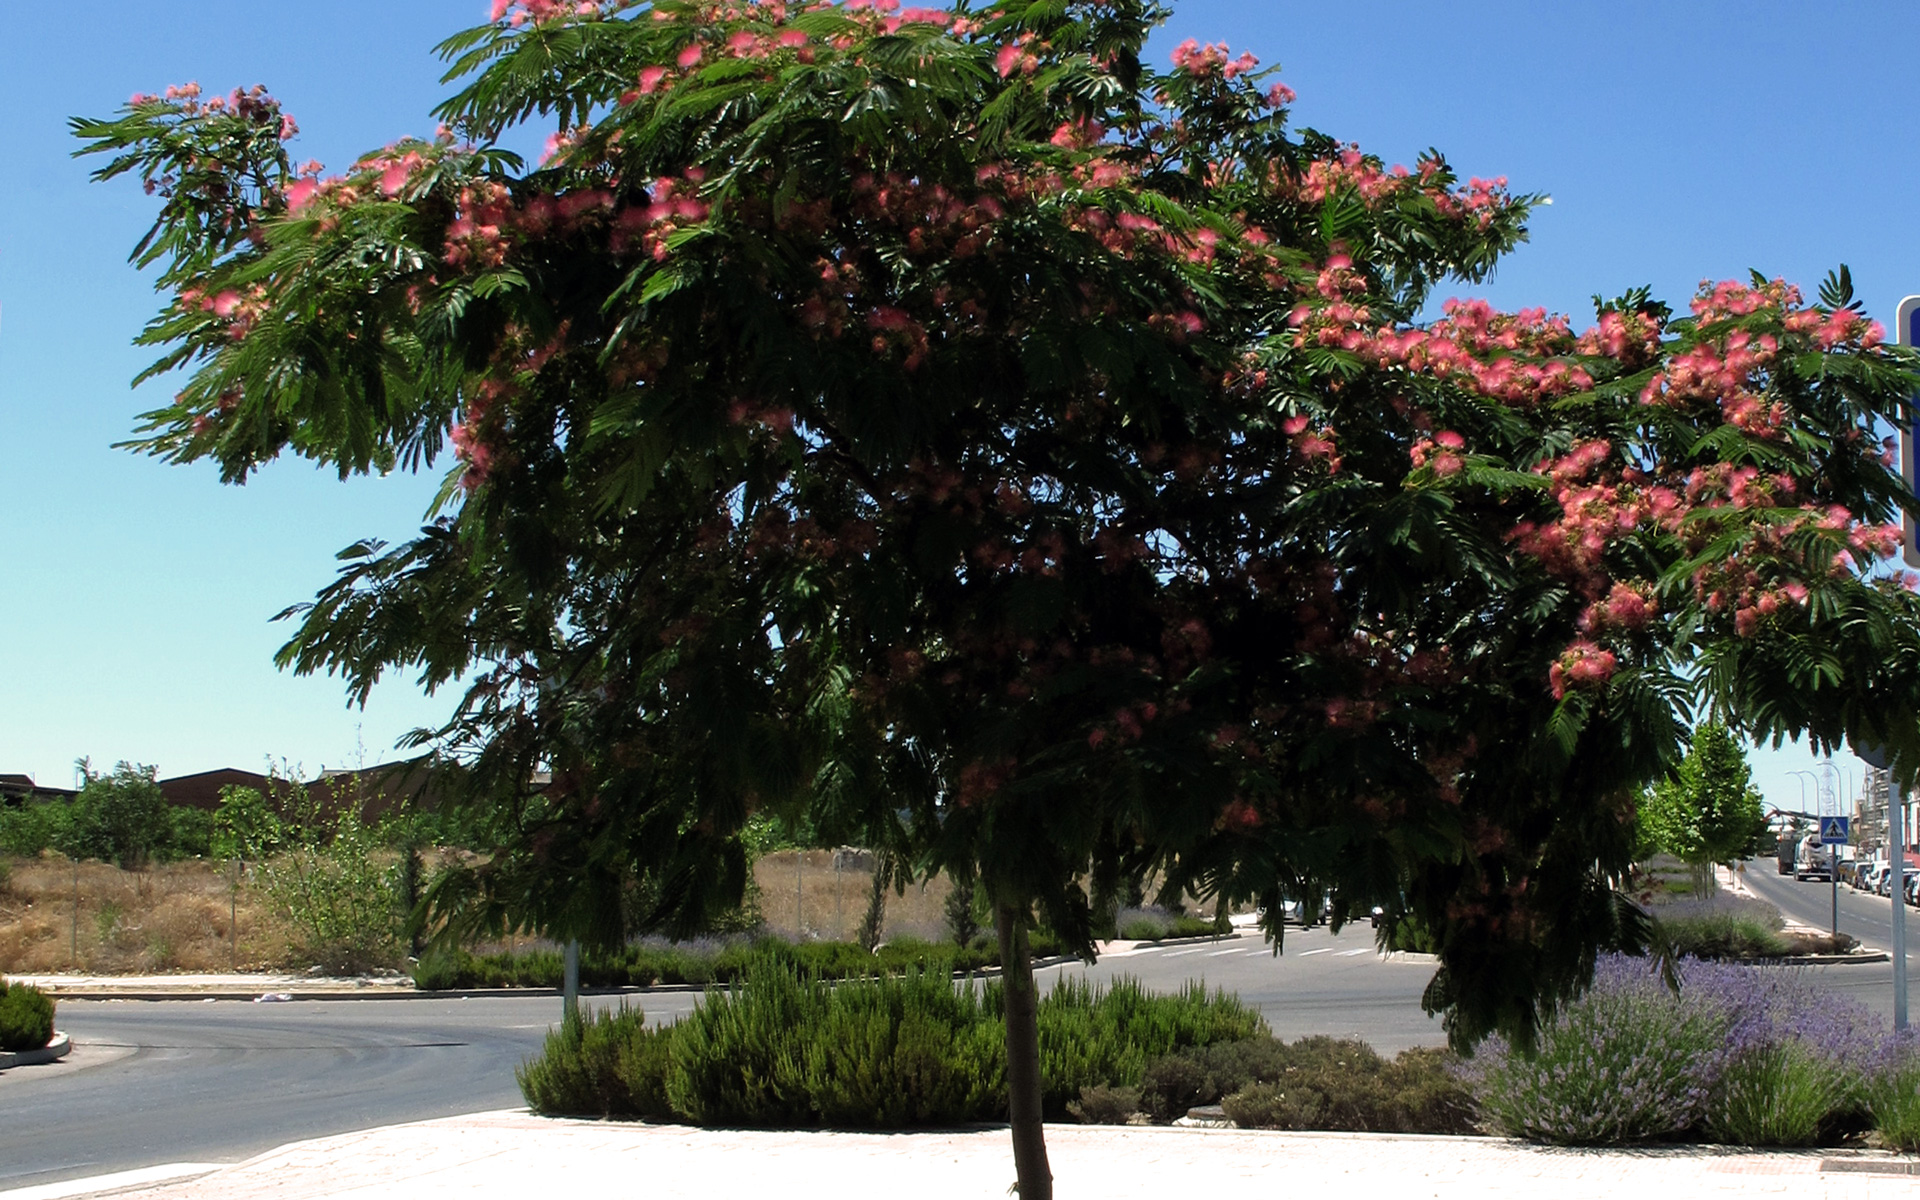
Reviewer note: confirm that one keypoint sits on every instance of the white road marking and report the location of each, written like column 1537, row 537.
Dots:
column 1195, row 950
column 1321, row 950
column 1352, row 953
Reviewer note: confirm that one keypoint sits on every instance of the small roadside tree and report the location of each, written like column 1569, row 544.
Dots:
column 1708, row 812
column 944, row 422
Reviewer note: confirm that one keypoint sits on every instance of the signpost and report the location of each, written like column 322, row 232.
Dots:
column 1833, row 834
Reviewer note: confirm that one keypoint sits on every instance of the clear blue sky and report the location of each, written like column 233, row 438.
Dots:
column 1679, row 142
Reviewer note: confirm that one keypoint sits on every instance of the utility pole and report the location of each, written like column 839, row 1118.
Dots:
column 570, row 983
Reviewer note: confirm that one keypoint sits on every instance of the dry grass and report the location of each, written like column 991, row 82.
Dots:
column 831, row 903
column 173, row 917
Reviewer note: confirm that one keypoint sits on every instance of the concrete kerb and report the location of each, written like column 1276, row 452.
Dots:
column 254, row 994
column 53, row 1051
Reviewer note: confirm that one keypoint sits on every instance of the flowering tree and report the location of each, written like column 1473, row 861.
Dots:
column 1032, row 460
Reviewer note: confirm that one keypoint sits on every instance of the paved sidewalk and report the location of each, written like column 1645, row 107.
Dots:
column 514, row 1154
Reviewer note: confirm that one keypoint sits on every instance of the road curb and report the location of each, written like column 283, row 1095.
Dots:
column 53, row 1051
column 252, row 995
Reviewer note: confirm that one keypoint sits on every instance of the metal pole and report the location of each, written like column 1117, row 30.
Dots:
column 570, row 983
column 233, row 917
column 1897, row 834
column 73, row 944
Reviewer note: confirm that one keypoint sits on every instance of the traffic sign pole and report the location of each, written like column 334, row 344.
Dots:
column 1897, row 834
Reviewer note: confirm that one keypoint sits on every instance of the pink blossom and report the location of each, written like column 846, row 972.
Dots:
column 650, row 79
column 689, row 56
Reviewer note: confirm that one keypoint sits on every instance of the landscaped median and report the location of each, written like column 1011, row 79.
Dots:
column 27, row 1035
column 1738, row 1055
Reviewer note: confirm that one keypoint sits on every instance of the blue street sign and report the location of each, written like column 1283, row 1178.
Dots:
column 1907, row 333
column 1833, row 831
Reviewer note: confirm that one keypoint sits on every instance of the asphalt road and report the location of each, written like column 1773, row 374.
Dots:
column 1866, row 917
column 154, row 1082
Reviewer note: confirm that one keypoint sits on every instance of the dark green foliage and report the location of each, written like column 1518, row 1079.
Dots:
column 1709, row 811
column 26, row 1017
column 1154, row 926
column 1723, row 935
column 1204, row 1074
column 784, row 1047
column 647, row 963
column 963, row 923
column 606, row 1064
column 123, row 817
column 788, row 1049
column 35, row 826
column 1100, row 1104
column 1092, row 1036
column 190, row 832
column 1341, row 1084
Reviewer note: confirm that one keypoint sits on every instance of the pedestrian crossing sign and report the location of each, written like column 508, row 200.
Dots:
column 1833, row 831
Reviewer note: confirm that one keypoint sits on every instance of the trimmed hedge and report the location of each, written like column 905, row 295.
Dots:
column 785, row 1047
column 644, row 964
column 26, row 1017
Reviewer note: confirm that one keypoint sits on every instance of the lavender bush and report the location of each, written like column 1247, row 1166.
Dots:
column 1617, row 1065
column 1751, row 1055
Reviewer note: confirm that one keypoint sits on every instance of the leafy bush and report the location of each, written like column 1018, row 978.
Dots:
column 123, row 816
column 783, row 1047
column 1623, row 1063
column 26, row 1017
column 1091, row 1036
column 1723, row 927
column 607, row 1064
column 1893, row 1095
column 1339, row 1084
column 1153, row 925
column 1744, row 1054
column 643, row 964
column 338, row 900
column 1103, row 1105
column 1779, row 1094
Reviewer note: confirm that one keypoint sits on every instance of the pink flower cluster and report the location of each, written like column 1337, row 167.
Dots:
column 1582, row 665
column 1200, row 61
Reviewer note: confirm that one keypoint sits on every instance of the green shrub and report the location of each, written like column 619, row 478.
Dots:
column 784, row 1047
column 26, row 1017
column 1153, row 925
column 1103, row 1105
column 337, row 899
column 1314, row 1083
column 1894, row 1099
column 1092, row 1036
column 1207, row 1074
column 606, row 1064
column 1619, row 1064
column 645, row 964
column 1781, row 1094
column 1723, row 935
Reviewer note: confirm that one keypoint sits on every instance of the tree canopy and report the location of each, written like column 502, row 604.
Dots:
column 1709, row 811
column 1045, row 464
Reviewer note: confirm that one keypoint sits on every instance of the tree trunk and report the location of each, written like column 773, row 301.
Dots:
column 1023, row 1054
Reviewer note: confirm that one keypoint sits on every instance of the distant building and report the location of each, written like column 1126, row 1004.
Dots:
column 16, row 790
